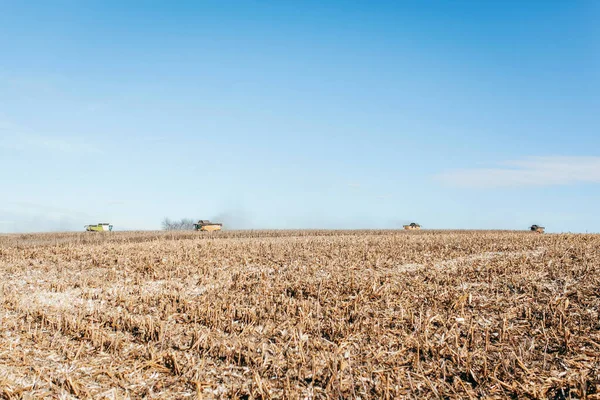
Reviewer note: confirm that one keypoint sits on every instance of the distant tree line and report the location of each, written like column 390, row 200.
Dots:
column 184, row 224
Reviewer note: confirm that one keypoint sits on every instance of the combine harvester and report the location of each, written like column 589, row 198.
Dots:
column 207, row 226
column 537, row 229
column 412, row 227
column 101, row 227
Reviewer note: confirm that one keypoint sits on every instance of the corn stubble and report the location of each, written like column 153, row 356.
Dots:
column 300, row 314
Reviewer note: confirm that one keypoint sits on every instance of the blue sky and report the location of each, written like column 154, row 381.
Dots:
column 281, row 114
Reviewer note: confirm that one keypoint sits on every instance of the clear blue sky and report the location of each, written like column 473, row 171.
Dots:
column 306, row 114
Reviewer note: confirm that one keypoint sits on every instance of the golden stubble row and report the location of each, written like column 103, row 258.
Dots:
column 300, row 314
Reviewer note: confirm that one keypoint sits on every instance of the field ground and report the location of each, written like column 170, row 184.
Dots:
column 300, row 314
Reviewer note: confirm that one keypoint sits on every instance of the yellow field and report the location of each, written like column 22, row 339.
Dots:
column 300, row 314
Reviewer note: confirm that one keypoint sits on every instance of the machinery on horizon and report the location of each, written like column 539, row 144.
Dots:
column 537, row 229
column 207, row 226
column 101, row 227
column 413, row 226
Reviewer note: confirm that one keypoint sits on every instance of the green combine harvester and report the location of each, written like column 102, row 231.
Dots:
column 101, row 227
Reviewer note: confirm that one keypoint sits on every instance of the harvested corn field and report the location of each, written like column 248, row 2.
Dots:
column 300, row 314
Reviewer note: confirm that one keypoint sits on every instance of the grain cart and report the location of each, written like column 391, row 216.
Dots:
column 207, row 226
column 412, row 226
column 537, row 229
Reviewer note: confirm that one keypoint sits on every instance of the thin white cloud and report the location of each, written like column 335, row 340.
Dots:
column 95, row 106
column 27, row 142
column 155, row 139
column 6, row 125
column 354, row 185
column 15, row 137
column 530, row 171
